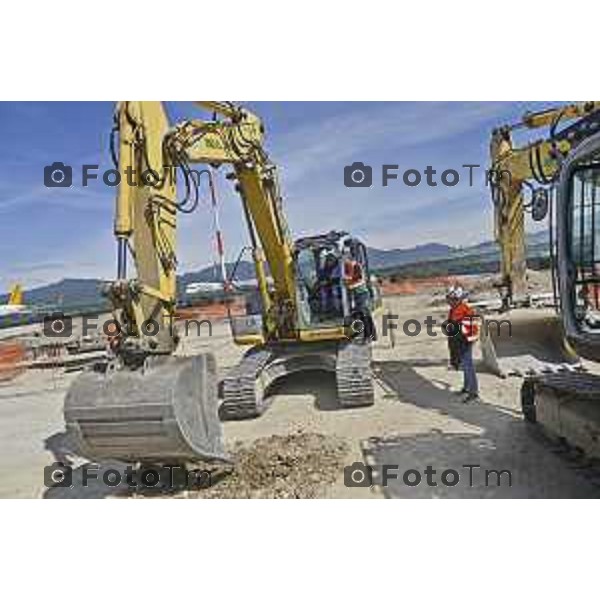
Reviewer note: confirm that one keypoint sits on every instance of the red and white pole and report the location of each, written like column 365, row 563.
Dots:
column 220, row 247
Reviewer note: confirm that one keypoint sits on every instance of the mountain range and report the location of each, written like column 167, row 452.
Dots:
column 74, row 294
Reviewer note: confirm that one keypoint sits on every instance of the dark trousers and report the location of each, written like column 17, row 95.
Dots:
column 469, row 374
column 454, row 351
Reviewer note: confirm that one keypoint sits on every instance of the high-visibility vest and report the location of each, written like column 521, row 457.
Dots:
column 468, row 321
column 353, row 274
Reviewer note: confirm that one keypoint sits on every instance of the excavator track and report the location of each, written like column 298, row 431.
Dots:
column 354, row 376
column 243, row 393
column 567, row 407
column 244, row 388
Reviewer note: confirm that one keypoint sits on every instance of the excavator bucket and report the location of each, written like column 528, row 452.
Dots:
column 163, row 413
column 532, row 344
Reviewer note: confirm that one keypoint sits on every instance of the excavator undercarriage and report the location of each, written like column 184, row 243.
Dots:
column 245, row 386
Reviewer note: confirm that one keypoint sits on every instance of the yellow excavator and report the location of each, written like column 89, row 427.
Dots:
column 147, row 404
column 522, row 180
column 567, row 404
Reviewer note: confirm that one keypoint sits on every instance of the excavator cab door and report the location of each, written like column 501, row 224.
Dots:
column 319, row 294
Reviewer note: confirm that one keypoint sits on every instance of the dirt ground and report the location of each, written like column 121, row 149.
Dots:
column 304, row 445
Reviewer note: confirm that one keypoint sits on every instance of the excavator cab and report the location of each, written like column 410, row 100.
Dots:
column 324, row 305
column 323, row 298
column 579, row 248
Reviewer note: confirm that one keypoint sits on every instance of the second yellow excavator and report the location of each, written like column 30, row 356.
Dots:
column 148, row 405
column 523, row 180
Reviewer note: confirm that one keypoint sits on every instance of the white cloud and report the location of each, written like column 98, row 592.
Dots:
column 316, row 146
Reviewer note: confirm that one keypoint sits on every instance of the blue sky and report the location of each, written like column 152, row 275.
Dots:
column 48, row 234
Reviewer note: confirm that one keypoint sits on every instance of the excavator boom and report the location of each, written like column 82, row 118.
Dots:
column 534, row 167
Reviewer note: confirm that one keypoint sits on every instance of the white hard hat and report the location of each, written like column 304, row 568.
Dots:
column 456, row 293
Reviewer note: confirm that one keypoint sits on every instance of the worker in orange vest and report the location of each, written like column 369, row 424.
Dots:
column 465, row 332
column 360, row 297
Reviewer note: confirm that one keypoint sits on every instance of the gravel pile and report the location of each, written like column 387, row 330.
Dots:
column 299, row 465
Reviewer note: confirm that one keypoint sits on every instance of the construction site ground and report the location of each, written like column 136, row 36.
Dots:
column 300, row 446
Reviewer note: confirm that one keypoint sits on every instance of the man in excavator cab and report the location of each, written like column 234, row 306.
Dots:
column 328, row 284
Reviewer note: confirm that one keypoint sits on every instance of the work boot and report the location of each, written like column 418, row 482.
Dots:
column 471, row 397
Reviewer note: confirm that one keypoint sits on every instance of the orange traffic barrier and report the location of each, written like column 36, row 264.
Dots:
column 217, row 310
column 12, row 360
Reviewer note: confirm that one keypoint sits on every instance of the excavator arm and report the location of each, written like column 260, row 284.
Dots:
column 147, row 404
column 535, row 167
column 150, row 152
column 238, row 141
column 145, row 227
